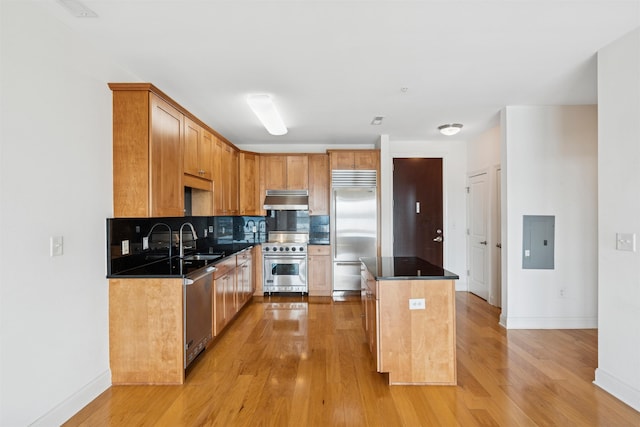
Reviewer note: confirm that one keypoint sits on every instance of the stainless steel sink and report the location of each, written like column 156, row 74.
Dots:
column 202, row 257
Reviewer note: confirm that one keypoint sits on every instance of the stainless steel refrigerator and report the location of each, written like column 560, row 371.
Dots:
column 354, row 226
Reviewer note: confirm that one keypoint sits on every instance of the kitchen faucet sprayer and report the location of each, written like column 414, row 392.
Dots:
column 193, row 232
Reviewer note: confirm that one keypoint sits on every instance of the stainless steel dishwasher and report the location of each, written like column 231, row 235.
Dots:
column 198, row 312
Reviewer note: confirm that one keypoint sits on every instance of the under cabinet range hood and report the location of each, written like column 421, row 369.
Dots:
column 287, row 200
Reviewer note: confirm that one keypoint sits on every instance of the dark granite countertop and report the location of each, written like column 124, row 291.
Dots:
column 406, row 268
column 162, row 267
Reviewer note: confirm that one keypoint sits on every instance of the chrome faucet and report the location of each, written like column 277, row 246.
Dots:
column 168, row 228
column 193, row 232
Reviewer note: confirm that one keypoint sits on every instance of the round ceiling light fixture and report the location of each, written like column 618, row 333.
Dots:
column 450, row 129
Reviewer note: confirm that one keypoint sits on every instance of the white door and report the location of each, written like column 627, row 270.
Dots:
column 477, row 236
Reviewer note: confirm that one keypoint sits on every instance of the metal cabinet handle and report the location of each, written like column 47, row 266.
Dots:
column 438, row 239
column 483, row 243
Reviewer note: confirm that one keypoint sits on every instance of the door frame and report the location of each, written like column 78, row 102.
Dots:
column 494, row 275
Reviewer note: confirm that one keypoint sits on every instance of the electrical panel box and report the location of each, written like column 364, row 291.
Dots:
column 538, row 242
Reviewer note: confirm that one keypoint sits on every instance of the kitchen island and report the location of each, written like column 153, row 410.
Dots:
column 409, row 307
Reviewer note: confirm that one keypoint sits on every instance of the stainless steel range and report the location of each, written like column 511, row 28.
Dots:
column 284, row 260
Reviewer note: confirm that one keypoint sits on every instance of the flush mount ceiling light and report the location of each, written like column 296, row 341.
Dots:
column 263, row 107
column 450, row 129
column 77, row 9
column 377, row 120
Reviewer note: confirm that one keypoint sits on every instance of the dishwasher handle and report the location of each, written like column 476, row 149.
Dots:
column 192, row 279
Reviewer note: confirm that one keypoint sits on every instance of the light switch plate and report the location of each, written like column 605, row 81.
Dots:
column 145, row 243
column 626, row 242
column 125, row 247
column 56, row 246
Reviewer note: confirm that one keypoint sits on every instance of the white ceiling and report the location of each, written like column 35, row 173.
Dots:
column 331, row 66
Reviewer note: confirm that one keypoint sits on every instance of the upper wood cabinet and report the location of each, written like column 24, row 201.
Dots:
column 198, row 147
column 248, row 172
column 319, row 184
column 225, row 179
column 297, row 172
column 147, row 153
column 355, row 159
column 285, row 172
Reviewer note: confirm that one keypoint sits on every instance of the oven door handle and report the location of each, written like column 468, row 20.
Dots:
column 284, row 258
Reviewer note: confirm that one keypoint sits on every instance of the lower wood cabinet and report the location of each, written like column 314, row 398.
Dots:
column 319, row 270
column 223, row 295
column 146, row 344
column 414, row 346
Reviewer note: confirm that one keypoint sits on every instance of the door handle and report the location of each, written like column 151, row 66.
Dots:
column 483, row 243
column 499, row 245
column 438, row 239
column 417, row 207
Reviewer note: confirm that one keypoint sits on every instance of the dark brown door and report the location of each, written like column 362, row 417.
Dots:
column 417, row 208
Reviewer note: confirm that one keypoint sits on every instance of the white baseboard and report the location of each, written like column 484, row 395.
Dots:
column 550, row 322
column 617, row 388
column 74, row 403
column 461, row 286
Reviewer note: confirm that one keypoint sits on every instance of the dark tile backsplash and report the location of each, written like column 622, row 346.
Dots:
column 214, row 235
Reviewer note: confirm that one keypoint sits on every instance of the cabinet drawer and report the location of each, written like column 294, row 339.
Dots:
column 223, row 267
column 319, row 249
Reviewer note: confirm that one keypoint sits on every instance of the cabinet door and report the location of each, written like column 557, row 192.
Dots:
column 226, row 179
column 318, row 184
column 298, row 172
column 275, row 172
column 342, row 160
column 219, row 311
column 248, row 173
column 192, row 136
column 319, row 270
column 218, row 190
column 365, row 159
column 230, row 296
column 166, row 194
column 234, row 201
column 205, row 153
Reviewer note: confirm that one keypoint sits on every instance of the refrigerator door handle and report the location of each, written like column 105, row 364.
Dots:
column 348, row 263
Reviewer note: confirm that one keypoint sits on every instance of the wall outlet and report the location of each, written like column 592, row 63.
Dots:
column 417, row 304
column 125, row 247
column 211, row 229
column 56, row 246
column 145, row 243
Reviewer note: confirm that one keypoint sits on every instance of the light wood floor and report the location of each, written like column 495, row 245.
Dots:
column 289, row 361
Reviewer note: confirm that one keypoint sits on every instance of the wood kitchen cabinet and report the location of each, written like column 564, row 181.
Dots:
column 225, row 185
column 285, row 172
column 370, row 309
column 198, row 148
column 223, row 295
column 355, row 159
column 244, row 274
column 319, row 184
column 319, row 270
column 147, row 153
column 146, row 344
column 249, row 172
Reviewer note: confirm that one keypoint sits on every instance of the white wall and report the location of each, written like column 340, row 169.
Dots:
column 483, row 156
column 619, row 211
column 454, row 155
column 55, row 179
column 549, row 158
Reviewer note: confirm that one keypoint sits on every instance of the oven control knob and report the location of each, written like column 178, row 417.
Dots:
column 301, row 249
column 266, row 248
column 281, row 249
column 293, row 249
column 287, row 249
